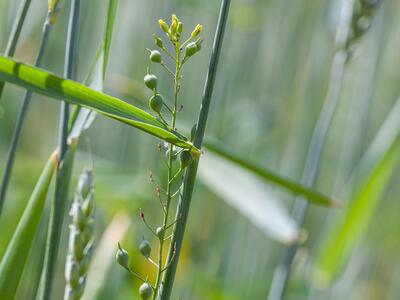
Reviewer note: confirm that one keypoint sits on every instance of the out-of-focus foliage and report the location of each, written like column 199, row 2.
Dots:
column 269, row 90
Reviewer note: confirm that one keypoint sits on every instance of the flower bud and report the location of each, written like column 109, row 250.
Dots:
column 150, row 81
column 145, row 291
column 158, row 41
column 155, row 56
column 122, row 257
column 145, row 248
column 186, row 158
column 191, row 49
column 156, row 102
column 180, row 28
column 163, row 25
column 173, row 27
column 196, row 31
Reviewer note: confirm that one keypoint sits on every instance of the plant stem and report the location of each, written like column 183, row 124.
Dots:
column 170, row 177
column 15, row 33
column 64, row 167
column 190, row 174
column 317, row 143
column 21, row 116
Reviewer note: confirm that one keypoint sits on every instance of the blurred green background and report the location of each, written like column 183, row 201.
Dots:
column 270, row 87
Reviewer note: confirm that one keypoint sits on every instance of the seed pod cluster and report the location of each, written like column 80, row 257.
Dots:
column 361, row 19
column 80, row 246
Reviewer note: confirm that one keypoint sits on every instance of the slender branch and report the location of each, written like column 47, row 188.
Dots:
column 190, row 176
column 21, row 116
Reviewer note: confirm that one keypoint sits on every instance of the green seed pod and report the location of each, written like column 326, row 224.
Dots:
column 186, row 158
column 145, row 248
column 155, row 56
column 156, row 103
column 160, row 232
column 145, row 291
column 122, row 257
column 158, row 41
column 191, row 49
column 150, row 81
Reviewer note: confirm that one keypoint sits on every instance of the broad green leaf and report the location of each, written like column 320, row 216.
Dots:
column 13, row 262
column 249, row 195
column 296, row 188
column 376, row 167
column 57, row 88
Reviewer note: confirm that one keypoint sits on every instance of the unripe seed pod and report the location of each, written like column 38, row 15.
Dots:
column 156, row 103
column 145, row 291
column 145, row 248
column 160, row 232
column 191, row 49
column 155, row 56
column 158, row 41
column 122, row 257
column 150, row 81
column 163, row 25
column 186, row 158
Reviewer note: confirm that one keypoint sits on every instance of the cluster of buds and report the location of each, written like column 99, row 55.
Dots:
column 80, row 246
column 361, row 19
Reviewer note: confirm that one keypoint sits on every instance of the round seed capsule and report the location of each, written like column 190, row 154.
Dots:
column 122, row 257
column 155, row 56
column 145, row 248
column 145, row 291
column 156, row 102
column 160, row 232
column 186, row 158
column 191, row 49
column 150, row 81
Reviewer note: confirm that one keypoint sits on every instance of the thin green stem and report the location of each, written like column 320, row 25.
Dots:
column 15, row 33
column 64, row 167
column 190, row 175
column 21, row 118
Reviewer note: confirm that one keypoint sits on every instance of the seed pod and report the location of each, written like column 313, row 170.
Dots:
column 163, row 25
column 160, row 232
column 196, row 31
column 145, row 291
column 158, row 41
column 145, row 248
column 156, row 102
column 122, row 257
column 150, row 81
column 155, row 56
column 186, row 158
column 191, row 49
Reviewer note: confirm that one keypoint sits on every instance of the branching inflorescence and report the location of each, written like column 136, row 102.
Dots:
column 167, row 113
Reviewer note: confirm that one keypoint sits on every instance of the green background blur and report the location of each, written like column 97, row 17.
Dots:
column 270, row 87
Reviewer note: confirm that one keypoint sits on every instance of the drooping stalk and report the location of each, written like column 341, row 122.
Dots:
column 348, row 32
column 63, row 175
column 190, row 174
column 15, row 33
column 25, row 104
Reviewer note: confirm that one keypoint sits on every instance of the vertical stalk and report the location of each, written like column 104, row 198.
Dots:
column 190, row 174
column 316, row 147
column 24, row 108
column 64, row 167
column 14, row 35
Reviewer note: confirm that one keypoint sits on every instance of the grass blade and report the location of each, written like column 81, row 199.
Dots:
column 13, row 261
column 269, row 176
column 379, row 162
column 58, row 88
column 190, row 175
column 15, row 33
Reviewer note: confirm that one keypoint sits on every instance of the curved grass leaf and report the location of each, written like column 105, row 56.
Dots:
column 58, row 88
column 13, row 262
column 296, row 188
column 379, row 162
